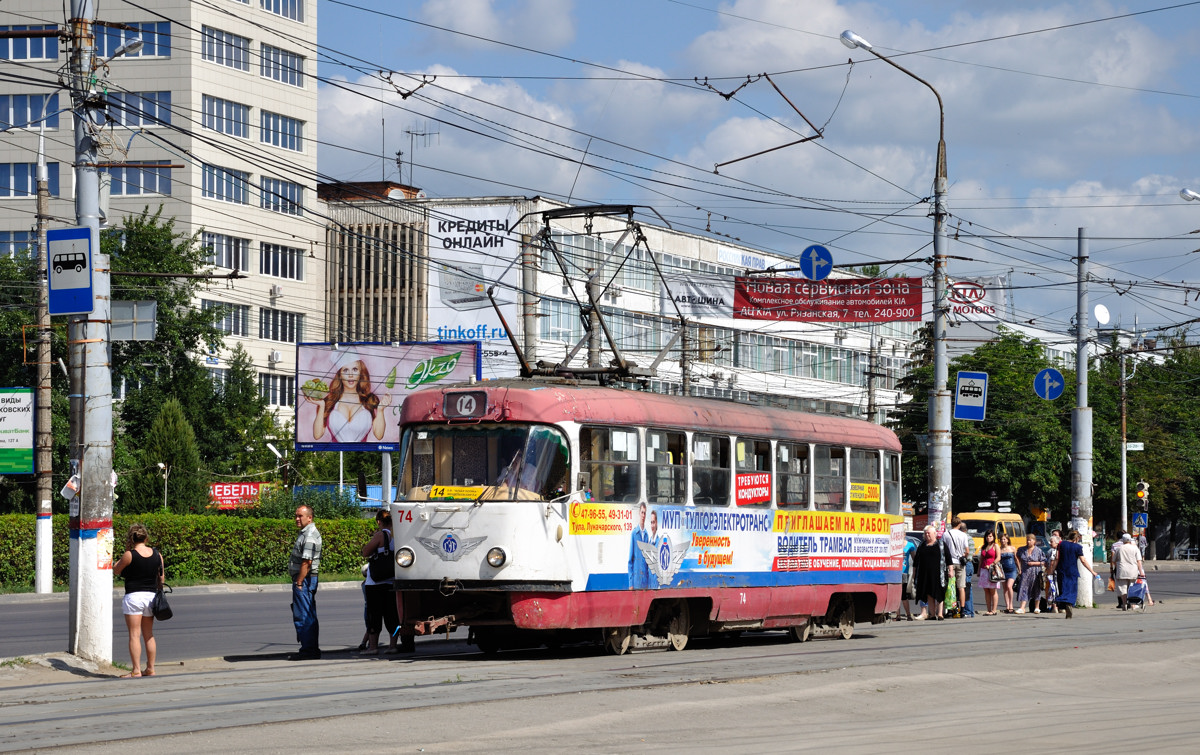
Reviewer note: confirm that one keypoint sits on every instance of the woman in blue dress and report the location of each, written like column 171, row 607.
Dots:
column 1067, row 559
column 1008, row 562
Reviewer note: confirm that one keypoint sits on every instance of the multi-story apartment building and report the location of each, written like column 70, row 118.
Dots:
column 214, row 119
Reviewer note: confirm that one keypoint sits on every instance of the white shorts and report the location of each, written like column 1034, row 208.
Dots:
column 137, row 604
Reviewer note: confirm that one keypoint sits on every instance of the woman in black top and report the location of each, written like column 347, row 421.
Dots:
column 142, row 568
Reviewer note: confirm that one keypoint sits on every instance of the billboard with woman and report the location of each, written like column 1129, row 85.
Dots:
column 349, row 394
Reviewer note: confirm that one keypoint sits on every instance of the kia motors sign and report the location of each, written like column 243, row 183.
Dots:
column 235, row 495
column 974, row 298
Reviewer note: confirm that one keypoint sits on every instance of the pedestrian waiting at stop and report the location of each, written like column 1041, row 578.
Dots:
column 1127, row 568
column 304, row 565
column 989, row 555
column 957, row 543
column 930, row 573
column 1012, row 570
column 381, row 598
column 1066, row 562
column 143, row 570
column 1033, row 563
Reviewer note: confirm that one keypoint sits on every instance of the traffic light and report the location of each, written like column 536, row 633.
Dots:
column 1142, row 491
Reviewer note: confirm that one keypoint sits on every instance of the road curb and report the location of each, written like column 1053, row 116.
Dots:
column 18, row 598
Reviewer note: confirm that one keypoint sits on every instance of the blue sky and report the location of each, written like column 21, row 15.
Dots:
column 1058, row 116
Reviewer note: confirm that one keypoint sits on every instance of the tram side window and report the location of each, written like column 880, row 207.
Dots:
column 753, row 463
column 865, row 490
column 791, row 468
column 710, row 470
column 666, row 467
column 829, row 463
column 891, row 484
column 609, row 459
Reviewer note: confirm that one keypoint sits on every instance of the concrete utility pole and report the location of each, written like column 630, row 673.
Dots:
column 43, row 570
column 1081, row 428
column 91, row 512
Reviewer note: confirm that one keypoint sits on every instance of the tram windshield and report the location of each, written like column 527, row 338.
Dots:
column 484, row 463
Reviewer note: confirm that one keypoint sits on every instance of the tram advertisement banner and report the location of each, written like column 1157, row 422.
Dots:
column 471, row 249
column 830, row 300
column 348, row 395
column 687, row 546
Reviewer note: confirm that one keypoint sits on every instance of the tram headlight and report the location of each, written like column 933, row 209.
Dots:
column 496, row 557
column 404, row 557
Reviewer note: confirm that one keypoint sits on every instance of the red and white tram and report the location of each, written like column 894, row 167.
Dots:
column 534, row 510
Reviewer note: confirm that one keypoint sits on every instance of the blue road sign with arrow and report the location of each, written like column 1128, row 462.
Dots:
column 816, row 262
column 1049, row 384
column 970, row 396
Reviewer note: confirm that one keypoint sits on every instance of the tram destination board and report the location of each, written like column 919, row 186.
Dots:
column 841, row 300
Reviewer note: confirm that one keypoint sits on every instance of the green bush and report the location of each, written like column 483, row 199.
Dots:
column 197, row 548
column 281, row 503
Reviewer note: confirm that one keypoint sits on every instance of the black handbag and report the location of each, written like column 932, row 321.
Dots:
column 159, row 606
column 382, row 566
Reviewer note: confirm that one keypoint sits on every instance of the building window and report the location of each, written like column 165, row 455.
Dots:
column 235, row 319
column 281, row 261
column 281, row 65
column 293, row 9
column 282, row 196
column 278, row 390
column 282, row 131
column 225, row 49
column 277, row 325
column 20, row 179
column 155, row 36
column 139, row 108
column 132, row 178
column 226, row 185
column 219, row 377
column 226, row 117
column 25, row 110
column 227, row 251
column 26, row 48
column 16, row 243
column 560, row 321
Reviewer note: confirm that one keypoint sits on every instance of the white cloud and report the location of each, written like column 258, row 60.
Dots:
column 542, row 24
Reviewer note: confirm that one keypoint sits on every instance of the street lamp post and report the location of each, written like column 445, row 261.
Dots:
column 166, row 472
column 939, row 397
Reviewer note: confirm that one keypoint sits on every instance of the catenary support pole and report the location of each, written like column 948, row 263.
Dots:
column 43, row 579
column 91, row 523
column 1081, row 428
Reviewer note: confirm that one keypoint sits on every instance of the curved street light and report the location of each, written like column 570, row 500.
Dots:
column 939, row 404
column 1189, row 195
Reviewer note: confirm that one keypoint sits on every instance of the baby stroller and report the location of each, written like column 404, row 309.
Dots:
column 1138, row 595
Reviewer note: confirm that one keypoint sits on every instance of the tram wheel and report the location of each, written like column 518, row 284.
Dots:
column 679, row 626
column 617, row 640
column 846, row 621
column 803, row 632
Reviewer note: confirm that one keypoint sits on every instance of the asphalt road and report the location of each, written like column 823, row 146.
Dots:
column 237, row 621
column 1103, row 681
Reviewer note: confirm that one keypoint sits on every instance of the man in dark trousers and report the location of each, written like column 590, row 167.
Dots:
column 303, row 566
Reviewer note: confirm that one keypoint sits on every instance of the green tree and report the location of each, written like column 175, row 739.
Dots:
column 1021, row 450
column 170, row 442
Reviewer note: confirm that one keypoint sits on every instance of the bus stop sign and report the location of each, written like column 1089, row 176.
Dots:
column 69, row 273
